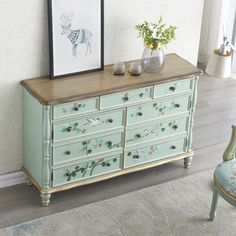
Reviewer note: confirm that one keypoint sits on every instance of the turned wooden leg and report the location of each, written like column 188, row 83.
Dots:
column 45, row 198
column 28, row 182
column 187, row 162
column 214, row 205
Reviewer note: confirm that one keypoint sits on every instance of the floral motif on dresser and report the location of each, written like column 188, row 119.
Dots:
column 75, row 107
column 74, row 127
column 144, row 153
column 157, row 130
column 161, row 108
column 87, row 169
column 88, row 146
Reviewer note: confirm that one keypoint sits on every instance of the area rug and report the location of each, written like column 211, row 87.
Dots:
column 179, row 207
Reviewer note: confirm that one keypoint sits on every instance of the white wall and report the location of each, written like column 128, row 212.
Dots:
column 24, row 51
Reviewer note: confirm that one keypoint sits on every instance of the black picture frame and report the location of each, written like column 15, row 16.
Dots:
column 54, row 75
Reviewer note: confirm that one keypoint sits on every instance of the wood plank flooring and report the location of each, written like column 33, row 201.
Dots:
column 216, row 111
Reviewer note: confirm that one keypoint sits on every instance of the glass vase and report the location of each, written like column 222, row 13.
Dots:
column 153, row 60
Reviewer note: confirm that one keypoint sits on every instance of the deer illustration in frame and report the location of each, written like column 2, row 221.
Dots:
column 76, row 37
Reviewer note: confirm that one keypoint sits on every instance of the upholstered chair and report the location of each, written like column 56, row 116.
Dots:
column 225, row 176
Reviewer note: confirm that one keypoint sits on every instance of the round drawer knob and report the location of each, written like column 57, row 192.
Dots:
column 172, row 89
column 89, row 151
column 69, row 129
column 125, row 99
column 109, row 143
column 108, row 164
column 136, row 156
column 68, row 153
column 177, row 105
column 138, row 136
column 110, row 121
column 174, row 127
column 140, row 114
column 76, row 108
column 173, row 147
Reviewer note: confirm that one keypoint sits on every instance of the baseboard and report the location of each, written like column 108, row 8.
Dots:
column 12, row 179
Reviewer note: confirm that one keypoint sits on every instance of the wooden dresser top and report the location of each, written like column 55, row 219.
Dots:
column 51, row 92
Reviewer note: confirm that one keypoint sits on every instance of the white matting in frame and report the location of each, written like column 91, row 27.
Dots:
column 76, row 36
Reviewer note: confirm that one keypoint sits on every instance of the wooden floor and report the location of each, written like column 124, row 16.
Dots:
column 216, row 111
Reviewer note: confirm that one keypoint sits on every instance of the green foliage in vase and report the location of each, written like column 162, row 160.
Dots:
column 156, row 35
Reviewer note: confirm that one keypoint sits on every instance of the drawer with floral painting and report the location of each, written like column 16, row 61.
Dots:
column 154, row 152
column 88, row 125
column 87, row 147
column 156, row 130
column 87, row 169
column 156, row 109
column 75, row 108
column 126, row 98
column 174, row 87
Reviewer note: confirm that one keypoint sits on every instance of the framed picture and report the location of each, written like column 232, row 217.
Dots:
column 76, row 36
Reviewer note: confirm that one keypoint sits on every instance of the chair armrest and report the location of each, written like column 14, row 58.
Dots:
column 230, row 150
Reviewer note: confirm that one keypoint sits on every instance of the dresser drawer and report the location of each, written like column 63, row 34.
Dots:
column 158, row 108
column 156, row 131
column 88, row 125
column 173, row 87
column 86, row 148
column 86, row 170
column 74, row 108
column 154, row 152
column 125, row 98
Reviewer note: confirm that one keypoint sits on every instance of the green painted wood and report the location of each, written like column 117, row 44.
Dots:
column 126, row 98
column 172, row 87
column 75, row 108
column 70, row 142
column 153, row 152
column 33, row 137
column 46, row 147
column 88, row 125
column 230, row 151
column 157, row 109
column 87, row 147
column 156, row 131
column 191, row 121
column 86, row 170
column 214, row 205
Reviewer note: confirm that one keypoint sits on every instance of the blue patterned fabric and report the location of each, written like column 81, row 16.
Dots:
column 225, row 175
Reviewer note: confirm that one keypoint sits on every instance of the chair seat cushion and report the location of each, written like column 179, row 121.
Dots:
column 225, row 176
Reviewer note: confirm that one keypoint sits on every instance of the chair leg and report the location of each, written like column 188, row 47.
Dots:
column 214, row 205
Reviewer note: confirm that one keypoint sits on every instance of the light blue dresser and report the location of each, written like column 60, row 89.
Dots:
column 89, row 128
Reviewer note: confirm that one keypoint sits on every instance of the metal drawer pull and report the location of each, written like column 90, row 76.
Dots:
column 126, row 98
column 140, row 114
column 68, row 153
column 149, row 131
column 94, row 122
column 89, row 151
column 69, row 129
column 177, row 105
column 173, row 147
column 136, row 156
column 174, row 127
column 138, row 135
column 172, row 88
column 109, row 143
column 110, row 121
column 76, row 108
